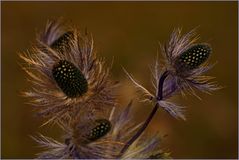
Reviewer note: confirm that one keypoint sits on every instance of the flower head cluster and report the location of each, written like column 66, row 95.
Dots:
column 66, row 74
column 71, row 87
column 183, row 69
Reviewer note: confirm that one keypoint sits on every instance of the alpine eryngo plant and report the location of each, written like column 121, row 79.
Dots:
column 71, row 87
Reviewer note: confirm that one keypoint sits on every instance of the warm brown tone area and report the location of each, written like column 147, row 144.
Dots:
column 129, row 32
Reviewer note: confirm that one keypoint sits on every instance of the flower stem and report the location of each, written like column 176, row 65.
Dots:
column 150, row 117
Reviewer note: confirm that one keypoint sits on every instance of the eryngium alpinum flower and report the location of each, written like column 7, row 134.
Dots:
column 185, row 60
column 182, row 70
column 101, row 138
column 65, row 73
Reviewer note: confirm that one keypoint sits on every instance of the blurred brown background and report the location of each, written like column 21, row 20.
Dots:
column 129, row 32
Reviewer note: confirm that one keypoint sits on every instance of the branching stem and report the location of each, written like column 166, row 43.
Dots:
column 150, row 117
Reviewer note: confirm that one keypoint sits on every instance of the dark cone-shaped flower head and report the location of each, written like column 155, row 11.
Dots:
column 193, row 57
column 90, row 131
column 70, row 79
column 62, row 43
column 101, row 129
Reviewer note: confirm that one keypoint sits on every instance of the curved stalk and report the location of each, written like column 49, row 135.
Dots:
column 150, row 117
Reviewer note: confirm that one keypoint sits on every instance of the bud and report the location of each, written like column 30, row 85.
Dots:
column 69, row 78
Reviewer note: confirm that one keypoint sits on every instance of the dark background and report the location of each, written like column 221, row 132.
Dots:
column 129, row 32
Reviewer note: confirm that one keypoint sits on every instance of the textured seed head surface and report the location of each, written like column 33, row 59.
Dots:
column 194, row 56
column 101, row 129
column 62, row 43
column 69, row 78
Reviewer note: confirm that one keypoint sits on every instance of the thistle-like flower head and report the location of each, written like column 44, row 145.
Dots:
column 186, row 62
column 65, row 73
column 101, row 138
column 183, row 69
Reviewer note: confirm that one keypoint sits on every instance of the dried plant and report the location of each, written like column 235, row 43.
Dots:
column 71, row 87
column 101, row 138
column 66, row 74
column 183, row 68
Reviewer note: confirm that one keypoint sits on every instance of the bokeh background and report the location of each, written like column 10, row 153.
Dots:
column 129, row 32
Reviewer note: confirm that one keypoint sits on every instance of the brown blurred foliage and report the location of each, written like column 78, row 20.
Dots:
column 129, row 32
